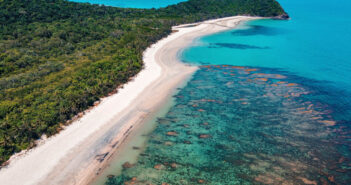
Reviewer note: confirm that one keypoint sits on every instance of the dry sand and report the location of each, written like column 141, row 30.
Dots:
column 78, row 153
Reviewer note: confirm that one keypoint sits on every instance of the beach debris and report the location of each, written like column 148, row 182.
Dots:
column 172, row 133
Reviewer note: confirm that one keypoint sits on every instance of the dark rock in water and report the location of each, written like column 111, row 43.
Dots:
column 201, row 181
column 131, row 181
column 159, row 166
column 204, row 136
column 164, row 121
column 234, row 161
column 136, row 148
column 221, row 146
column 284, row 16
column 231, row 137
column 254, row 143
column 172, row 133
column 331, row 178
column 323, row 181
column 110, row 176
column 127, row 165
column 187, row 142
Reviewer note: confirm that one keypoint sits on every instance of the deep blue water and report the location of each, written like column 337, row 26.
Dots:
column 132, row 3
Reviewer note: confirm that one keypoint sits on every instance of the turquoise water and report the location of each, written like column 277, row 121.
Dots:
column 234, row 125
column 270, row 104
column 132, row 3
column 315, row 43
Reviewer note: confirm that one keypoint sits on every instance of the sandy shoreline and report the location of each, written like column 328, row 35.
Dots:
column 78, row 153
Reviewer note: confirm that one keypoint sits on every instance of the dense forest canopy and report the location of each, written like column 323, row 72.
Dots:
column 58, row 57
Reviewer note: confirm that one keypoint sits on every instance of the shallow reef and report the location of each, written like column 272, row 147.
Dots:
column 244, row 125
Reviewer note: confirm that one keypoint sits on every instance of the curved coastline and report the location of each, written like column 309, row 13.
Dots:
column 79, row 153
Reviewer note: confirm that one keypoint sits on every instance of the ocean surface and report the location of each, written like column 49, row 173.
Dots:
column 271, row 104
column 315, row 43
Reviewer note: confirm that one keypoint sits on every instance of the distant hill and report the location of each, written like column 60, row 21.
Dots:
column 58, row 57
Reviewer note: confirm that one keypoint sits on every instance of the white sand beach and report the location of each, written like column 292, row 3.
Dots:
column 78, row 153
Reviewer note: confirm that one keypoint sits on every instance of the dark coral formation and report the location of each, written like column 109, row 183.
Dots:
column 240, row 125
